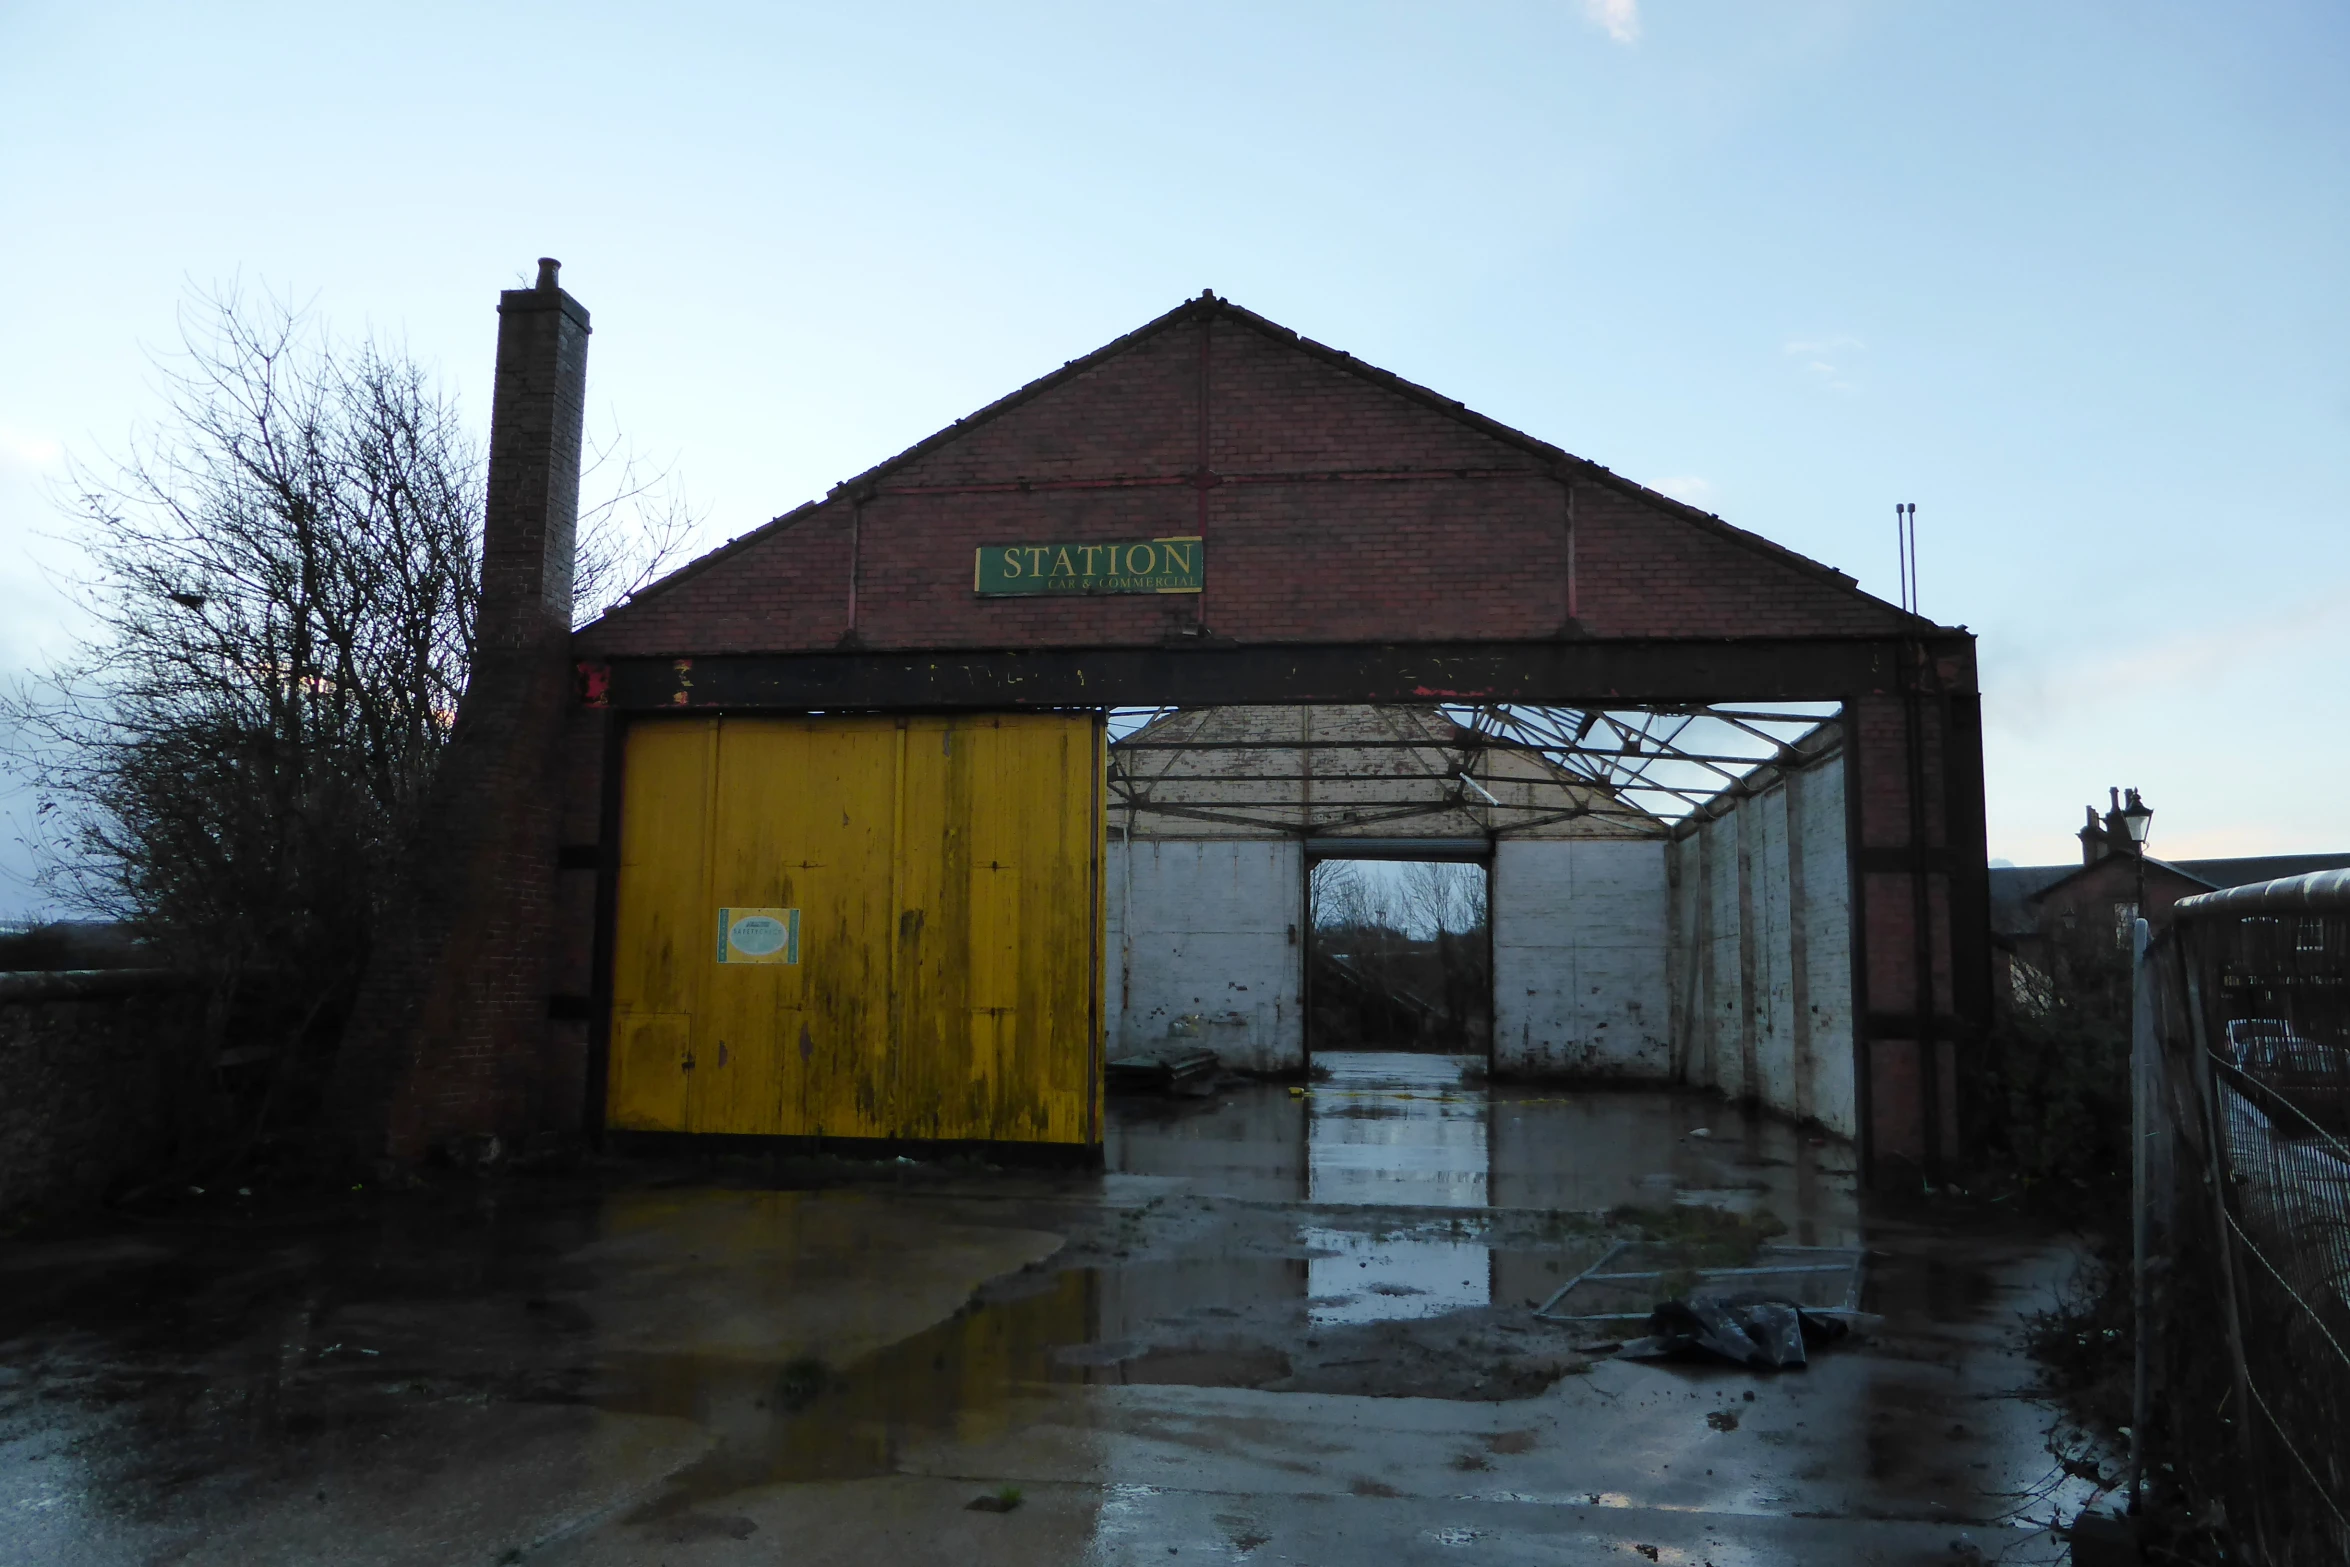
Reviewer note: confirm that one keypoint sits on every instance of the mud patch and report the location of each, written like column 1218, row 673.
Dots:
column 1475, row 1356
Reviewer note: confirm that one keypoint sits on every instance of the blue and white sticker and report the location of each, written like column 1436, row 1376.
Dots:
column 758, row 935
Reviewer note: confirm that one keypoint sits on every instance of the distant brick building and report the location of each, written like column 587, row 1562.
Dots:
column 2049, row 919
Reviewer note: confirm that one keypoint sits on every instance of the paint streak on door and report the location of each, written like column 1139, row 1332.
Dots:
column 946, row 874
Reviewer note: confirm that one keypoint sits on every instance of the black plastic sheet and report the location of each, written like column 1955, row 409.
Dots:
column 1755, row 1331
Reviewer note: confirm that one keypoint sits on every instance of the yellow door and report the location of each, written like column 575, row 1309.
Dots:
column 860, row 927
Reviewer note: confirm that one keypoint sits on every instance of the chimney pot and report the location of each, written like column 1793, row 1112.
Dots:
column 548, row 268
column 2092, row 835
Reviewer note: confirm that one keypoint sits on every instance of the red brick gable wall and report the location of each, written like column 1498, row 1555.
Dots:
column 1342, row 505
column 2090, row 894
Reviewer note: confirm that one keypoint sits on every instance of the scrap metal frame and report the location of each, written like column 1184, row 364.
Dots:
column 1850, row 1266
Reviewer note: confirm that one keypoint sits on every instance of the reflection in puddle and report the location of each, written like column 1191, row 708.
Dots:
column 1374, row 1278
column 804, row 1420
column 1418, row 1131
column 1396, row 1130
column 1380, row 1130
column 1391, row 1129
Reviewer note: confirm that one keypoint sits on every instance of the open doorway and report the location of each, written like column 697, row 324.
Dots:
column 1399, row 957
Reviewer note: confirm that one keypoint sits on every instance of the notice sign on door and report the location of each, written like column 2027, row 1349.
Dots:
column 758, row 935
column 1174, row 565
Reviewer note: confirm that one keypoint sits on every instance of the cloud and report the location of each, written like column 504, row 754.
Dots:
column 21, row 449
column 1619, row 19
column 1827, row 360
column 1689, row 488
column 2194, row 659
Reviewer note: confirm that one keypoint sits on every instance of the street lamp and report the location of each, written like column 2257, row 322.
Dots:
column 2137, row 820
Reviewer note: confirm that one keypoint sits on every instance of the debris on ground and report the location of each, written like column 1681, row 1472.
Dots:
column 1177, row 1069
column 1001, row 1500
column 1747, row 1330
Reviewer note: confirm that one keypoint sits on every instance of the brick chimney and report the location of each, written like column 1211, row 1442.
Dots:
column 451, row 1018
column 536, row 412
column 2093, row 844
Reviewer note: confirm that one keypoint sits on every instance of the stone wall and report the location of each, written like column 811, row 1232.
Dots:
column 95, row 1067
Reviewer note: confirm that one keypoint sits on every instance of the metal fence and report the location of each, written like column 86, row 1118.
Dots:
column 2242, row 1101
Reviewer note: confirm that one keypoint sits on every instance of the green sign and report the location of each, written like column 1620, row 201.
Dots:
column 1175, row 565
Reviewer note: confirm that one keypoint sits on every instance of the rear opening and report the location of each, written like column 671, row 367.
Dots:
column 1399, row 957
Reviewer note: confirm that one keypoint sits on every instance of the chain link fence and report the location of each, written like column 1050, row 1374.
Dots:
column 2242, row 1104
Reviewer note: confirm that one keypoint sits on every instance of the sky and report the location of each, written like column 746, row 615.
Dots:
column 2068, row 277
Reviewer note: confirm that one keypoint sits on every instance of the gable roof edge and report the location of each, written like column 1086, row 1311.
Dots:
column 2079, row 871
column 848, row 489
column 1558, row 456
column 1208, row 303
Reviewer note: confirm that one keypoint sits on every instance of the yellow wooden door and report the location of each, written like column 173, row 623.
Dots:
column 940, row 880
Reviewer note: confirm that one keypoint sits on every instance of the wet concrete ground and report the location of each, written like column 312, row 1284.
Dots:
column 1281, row 1327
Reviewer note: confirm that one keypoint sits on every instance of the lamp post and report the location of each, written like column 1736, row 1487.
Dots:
column 2137, row 818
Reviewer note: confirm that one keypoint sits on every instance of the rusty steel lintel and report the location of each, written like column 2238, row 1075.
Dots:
column 1579, row 673
column 1150, row 802
column 1447, row 780
column 1663, row 751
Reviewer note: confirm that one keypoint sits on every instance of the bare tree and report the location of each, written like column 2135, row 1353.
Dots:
column 638, row 528
column 1440, row 898
column 283, row 579
column 1336, row 897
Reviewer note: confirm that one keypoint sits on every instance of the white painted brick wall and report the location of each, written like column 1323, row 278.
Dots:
column 1209, row 931
column 1761, row 963
column 1819, row 794
column 1773, row 999
column 1579, row 945
column 1724, row 1048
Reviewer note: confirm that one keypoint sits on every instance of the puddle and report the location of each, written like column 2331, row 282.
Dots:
column 1397, row 1131
column 805, row 1420
column 1406, row 1130
column 1381, row 1236
column 1351, row 1277
column 1423, row 1291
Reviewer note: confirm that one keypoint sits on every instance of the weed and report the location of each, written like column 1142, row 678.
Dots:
column 1705, row 1237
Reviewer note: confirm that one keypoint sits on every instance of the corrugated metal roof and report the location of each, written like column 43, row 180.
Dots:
column 2318, row 892
column 2262, row 867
